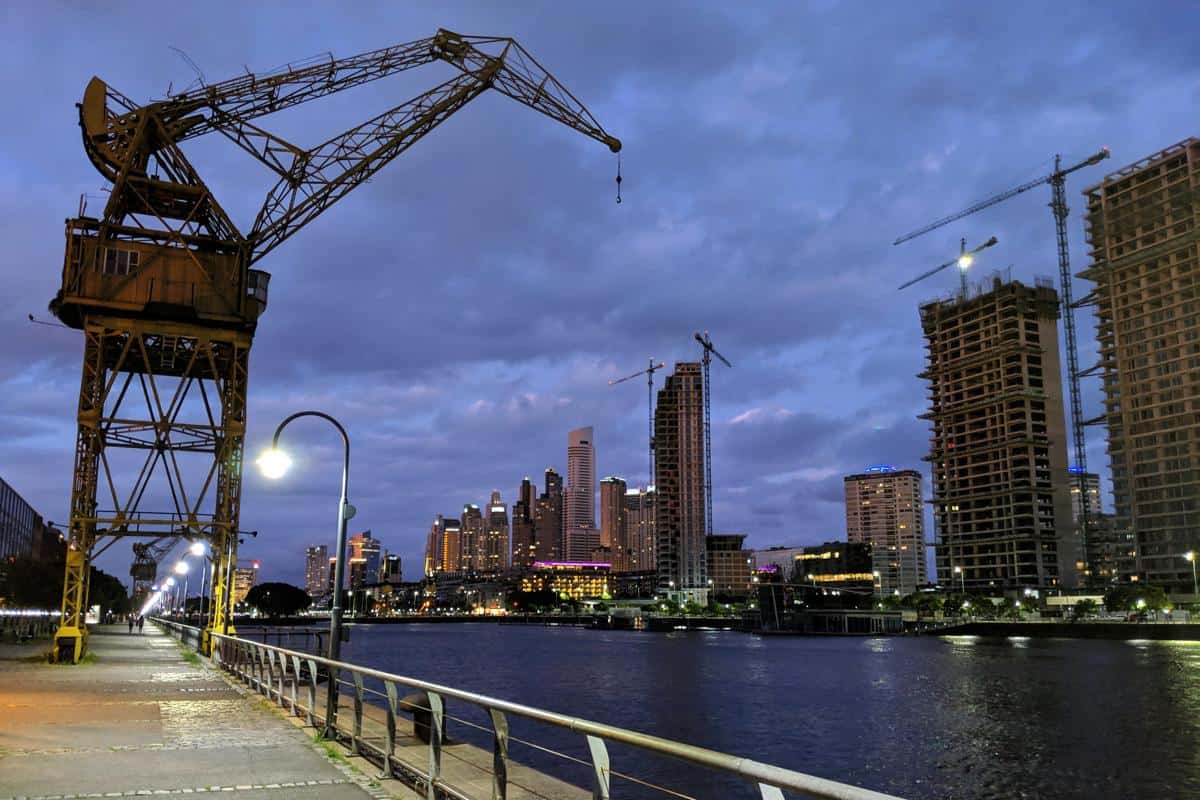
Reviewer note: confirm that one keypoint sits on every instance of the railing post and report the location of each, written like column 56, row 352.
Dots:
column 600, row 765
column 295, row 684
column 312, row 692
column 770, row 792
column 391, row 729
column 358, row 709
column 499, row 754
column 436, row 717
column 270, row 672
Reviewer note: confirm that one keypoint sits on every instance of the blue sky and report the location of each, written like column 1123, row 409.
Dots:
column 467, row 307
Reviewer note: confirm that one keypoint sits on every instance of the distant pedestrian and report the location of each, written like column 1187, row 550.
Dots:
column 141, row 621
column 131, row 623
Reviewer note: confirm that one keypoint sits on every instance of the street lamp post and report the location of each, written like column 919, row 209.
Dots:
column 962, row 579
column 274, row 463
column 1190, row 555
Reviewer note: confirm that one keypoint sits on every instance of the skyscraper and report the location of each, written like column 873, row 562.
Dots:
column 612, row 522
column 316, row 562
column 641, row 542
column 472, row 539
column 884, row 509
column 581, row 480
column 495, row 547
column 548, row 519
column 368, row 550
column 1089, row 496
column 443, row 546
column 392, row 571
column 679, row 480
column 523, row 550
column 1142, row 228
column 1001, row 501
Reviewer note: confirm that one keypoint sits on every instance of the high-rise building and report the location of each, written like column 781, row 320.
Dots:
column 581, row 480
column 884, row 509
column 612, row 522
column 1001, row 500
column 1089, row 496
column 639, row 531
column 332, row 575
column 472, row 539
column 244, row 579
column 364, row 548
column 524, row 552
column 495, row 546
column 1142, row 228
column 443, row 547
column 316, row 564
column 581, row 544
column 548, row 519
column 679, row 481
column 392, row 571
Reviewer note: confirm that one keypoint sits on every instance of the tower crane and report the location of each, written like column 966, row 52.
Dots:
column 649, row 373
column 963, row 262
column 709, row 351
column 1058, row 207
column 162, row 285
column 144, row 570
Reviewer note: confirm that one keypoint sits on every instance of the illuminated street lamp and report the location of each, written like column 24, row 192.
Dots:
column 1190, row 555
column 181, row 568
column 274, row 463
column 962, row 579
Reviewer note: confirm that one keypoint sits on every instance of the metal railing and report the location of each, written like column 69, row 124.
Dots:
column 291, row 678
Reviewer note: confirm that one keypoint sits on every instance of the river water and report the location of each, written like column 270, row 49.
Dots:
column 919, row 717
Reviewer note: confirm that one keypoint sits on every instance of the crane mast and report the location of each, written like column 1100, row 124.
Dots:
column 162, row 284
column 1058, row 206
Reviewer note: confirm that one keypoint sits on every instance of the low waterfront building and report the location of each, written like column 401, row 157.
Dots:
column 845, row 566
column 578, row 580
column 782, row 558
column 640, row 585
column 729, row 566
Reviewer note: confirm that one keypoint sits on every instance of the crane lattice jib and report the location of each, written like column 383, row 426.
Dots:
column 310, row 180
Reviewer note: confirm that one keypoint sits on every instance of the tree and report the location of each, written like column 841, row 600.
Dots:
column 1083, row 609
column 1126, row 597
column 278, row 599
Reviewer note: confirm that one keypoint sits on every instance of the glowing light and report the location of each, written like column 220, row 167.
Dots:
column 274, row 463
column 197, row 548
column 170, row 582
column 181, row 568
column 965, row 260
column 1190, row 555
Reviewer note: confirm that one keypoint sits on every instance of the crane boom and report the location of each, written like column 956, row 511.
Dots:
column 1000, row 198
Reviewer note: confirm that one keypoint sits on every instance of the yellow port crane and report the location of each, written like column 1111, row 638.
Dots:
column 163, row 288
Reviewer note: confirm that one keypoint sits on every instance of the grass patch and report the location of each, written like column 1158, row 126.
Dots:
column 333, row 751
column 190, row 657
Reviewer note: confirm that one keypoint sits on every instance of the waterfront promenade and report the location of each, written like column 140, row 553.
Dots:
column 137, row 719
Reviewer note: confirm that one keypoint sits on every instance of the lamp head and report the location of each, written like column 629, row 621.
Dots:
column 965, row 260
column 1190, row 555
column 169, row 582
column 274, row 463
column 181, row 568
column 197, row 548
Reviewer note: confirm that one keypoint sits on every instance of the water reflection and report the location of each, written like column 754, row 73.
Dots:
column 956, row 717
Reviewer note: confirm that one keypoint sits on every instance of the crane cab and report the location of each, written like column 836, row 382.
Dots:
column 203, row 283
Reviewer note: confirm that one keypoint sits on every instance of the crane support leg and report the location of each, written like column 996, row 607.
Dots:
column 172, row 397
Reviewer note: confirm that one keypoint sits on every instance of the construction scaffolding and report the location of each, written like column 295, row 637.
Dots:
column 1000, row 495
column 1142, row 228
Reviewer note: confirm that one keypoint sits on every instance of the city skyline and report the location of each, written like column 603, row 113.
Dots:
column 810, row 400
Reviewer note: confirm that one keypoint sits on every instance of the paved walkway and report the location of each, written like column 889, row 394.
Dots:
column 137, row 719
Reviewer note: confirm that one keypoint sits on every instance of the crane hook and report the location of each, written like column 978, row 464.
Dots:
column 618, row 179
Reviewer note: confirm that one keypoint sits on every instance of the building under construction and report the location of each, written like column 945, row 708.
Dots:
column 1001, row 496
column 1142, row 228
column 679, row 479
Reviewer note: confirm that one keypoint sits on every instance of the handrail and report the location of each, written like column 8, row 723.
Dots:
column 769, row 778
